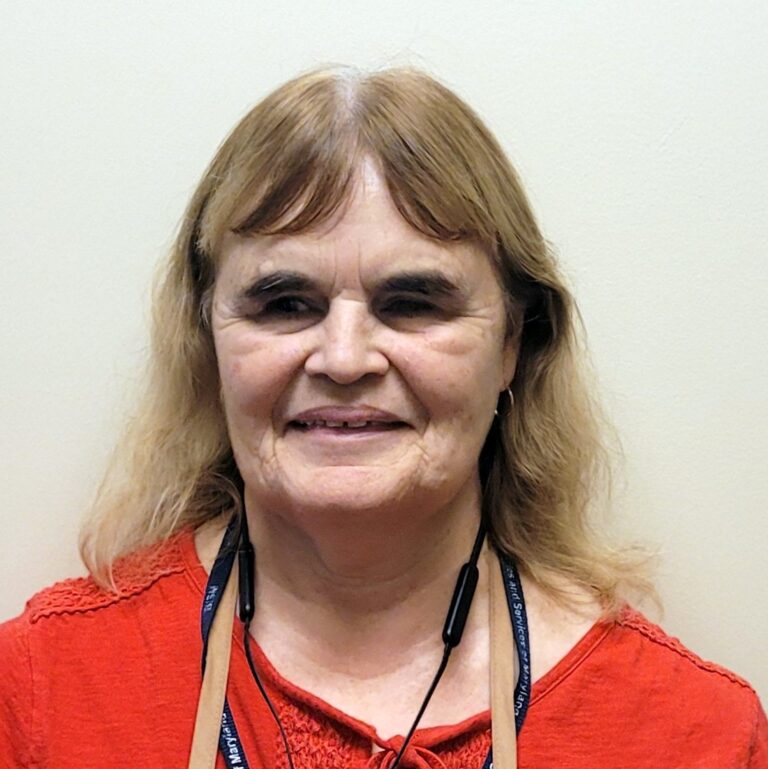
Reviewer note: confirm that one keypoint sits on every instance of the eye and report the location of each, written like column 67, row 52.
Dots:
column 288, row 307
column 408, row 307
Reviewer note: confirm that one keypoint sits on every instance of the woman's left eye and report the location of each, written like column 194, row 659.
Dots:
column 408, row 308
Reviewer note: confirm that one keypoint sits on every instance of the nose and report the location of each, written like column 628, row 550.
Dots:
column 346, row 349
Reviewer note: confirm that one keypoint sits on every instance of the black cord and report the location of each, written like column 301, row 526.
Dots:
column 283, row 735
column 435, row 681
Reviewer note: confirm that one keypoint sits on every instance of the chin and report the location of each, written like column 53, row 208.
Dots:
column 337, row 494
column 349, row 488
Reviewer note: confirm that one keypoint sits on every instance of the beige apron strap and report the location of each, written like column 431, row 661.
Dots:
column 503, row 670
column 210, row 706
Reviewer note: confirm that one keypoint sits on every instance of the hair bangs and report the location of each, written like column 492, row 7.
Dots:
column 292, row 163
column 428, row 149
column 310, row 191
column 434, row 205
column 286, row 168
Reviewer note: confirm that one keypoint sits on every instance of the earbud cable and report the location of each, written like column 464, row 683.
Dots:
column 435, row 681
column 257, row 679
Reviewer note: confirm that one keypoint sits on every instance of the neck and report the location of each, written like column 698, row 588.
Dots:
column 365, row 581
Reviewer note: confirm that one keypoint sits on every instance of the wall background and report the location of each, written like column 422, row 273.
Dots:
column 639, row 128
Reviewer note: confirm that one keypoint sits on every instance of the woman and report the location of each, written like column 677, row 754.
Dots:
column 365, row 366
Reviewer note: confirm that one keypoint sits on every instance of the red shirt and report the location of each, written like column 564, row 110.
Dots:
column 92, row 679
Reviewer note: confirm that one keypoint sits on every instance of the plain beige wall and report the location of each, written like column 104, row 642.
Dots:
column 640, row 129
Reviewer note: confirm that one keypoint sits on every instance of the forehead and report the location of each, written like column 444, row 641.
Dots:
column 367, row 236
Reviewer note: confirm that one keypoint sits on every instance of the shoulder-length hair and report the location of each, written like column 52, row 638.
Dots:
column 287, row 167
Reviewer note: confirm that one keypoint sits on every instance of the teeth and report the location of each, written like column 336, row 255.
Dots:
column 321, row 423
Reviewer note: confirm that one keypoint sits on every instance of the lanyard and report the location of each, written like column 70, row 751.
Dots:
column 229, row 740
column 230, row 745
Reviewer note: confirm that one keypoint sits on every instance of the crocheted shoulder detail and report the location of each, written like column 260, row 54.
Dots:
column 132, row 574
column 633, row 619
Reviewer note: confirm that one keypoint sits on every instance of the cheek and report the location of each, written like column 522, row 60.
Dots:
column 244, row 379
column 455, row 375
column 256, row 373
column 235, row 385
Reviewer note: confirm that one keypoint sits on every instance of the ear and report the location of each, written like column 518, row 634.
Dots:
column 511, row 351
column 510, row 355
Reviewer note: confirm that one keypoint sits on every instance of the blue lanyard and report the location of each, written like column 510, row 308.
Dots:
column 229, row 741
column 516, row 602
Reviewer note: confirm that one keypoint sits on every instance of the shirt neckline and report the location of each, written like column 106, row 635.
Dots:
column 429, row 736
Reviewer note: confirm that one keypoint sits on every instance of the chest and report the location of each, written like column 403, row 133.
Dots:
column 389, row 697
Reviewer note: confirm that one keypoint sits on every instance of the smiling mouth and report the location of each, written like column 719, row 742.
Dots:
column 340, row 426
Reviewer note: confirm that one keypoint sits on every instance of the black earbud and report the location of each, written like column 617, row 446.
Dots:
column 246, row 573
column 463, row 593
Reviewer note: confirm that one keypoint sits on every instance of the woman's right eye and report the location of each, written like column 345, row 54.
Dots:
column 287, row 307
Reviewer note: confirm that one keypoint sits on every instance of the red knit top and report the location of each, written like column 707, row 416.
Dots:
column 91, row 679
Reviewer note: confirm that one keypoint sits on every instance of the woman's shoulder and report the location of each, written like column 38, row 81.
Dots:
column 132, row 576
column 658, row 654
column 632, row 678
column 76, row 625
column 640, row 668
column 622, row 652
column 76, row 642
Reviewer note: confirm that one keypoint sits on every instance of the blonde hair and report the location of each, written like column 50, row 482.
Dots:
column 288, row 166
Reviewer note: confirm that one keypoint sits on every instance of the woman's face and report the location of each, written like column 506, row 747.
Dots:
column 360, row 364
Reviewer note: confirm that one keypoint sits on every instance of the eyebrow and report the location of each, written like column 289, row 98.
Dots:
column 278, row 283
column 428, row 282
column 425, row 282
